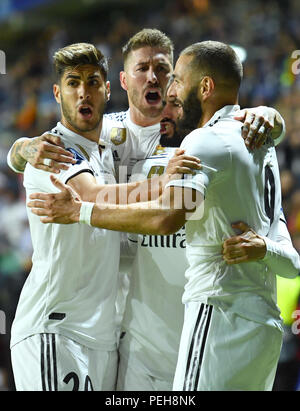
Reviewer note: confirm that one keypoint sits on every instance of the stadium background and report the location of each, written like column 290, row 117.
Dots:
column 31, row 30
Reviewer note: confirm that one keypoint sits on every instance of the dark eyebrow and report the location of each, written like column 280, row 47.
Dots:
column 74, row 76
column 162, row 63
column 94, row 75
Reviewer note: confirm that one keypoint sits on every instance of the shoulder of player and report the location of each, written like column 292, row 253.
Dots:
column 210, row 146
column 201, row 135
column 117, row 118
column 217, row 130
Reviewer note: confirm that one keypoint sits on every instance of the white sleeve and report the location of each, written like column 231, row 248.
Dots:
column 9, row 154
column 75, row 169
column 197, row 182
column 281, row 256
column 35, row 179
column 215, row 158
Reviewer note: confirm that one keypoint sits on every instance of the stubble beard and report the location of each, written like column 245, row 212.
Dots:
column 141, row 105
column 89, row 127
column 171, row 140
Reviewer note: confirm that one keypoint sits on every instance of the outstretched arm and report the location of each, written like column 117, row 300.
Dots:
column 161, row 217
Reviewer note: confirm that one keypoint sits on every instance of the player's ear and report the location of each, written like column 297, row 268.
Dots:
column 56, row 92
column 107, row 86
column 123, row 80
column 205, row 88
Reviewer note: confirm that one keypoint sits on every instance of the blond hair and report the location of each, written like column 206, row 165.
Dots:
column 151, row 38
column 79, row 54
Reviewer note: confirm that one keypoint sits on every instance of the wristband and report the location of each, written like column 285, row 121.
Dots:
column 86, row 212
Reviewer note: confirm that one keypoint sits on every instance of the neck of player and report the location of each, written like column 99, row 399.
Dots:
column 210, row 107
column 141, row 120
column 92, row 135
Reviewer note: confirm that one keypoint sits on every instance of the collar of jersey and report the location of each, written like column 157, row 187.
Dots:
column 140, row 130
column 76, row 138
column 225, row 111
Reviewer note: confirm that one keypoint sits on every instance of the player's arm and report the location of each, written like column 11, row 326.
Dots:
column 87, row 187
column 279, row 255
column 45, row 152
column 259, row 123
column 162, row 216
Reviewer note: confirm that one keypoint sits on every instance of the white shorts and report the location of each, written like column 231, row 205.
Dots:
column 133, row 375
column 221, row 351
column 52, row 362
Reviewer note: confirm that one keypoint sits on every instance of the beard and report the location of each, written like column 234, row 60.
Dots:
column 171, row 141
column 192, row 113
column 138, row 101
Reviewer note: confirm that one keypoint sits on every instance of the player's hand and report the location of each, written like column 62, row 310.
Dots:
column 61, row 208
column 47, row 153
column 182, row 164
column 245, row 247
column 258, row 125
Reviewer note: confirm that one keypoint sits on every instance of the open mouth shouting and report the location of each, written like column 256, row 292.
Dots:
column 86, row 111
column 153, row 96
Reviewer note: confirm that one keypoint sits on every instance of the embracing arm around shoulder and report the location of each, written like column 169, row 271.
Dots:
column 86, row 185
column 259, row 123
column 38, row 149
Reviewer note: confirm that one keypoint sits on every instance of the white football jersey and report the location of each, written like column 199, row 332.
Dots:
column 154, row 310
column 241, row 185
column 130, row 142
column 72, row 286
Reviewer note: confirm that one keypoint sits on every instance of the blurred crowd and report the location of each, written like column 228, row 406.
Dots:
column 269, row 32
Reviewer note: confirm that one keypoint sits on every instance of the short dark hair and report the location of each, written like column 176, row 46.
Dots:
column 217, row 60
column 79, row 54
column 151, row 38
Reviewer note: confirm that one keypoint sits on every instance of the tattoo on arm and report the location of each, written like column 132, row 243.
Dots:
column 16, row 158
column 25, row 151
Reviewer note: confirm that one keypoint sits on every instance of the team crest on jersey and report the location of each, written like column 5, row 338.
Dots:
column 118, row 135
column 159, row 150
column 156, row 171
